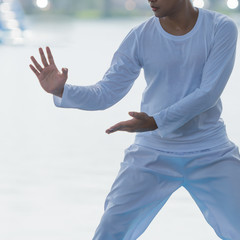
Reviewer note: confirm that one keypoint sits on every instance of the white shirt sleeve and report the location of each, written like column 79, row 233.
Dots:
column 216, row 73
column 116, row 83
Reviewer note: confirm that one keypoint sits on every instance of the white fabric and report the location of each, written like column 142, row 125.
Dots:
column 148, row 177
column 185, row 77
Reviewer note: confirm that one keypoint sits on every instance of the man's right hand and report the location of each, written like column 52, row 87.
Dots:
column 51, row 80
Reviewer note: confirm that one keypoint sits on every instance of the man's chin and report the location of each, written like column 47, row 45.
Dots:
column 158, row 14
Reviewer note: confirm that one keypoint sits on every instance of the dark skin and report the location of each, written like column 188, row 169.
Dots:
column 177, row 17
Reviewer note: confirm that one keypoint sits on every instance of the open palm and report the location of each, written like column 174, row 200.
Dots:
column 50, row 78
column 140, row 122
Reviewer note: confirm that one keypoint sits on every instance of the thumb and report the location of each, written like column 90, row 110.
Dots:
column 140, row 116
column 65, row 72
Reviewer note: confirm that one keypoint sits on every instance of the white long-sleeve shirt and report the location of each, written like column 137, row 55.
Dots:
column 185, row 78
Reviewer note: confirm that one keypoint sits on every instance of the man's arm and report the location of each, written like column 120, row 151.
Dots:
column 116, row 83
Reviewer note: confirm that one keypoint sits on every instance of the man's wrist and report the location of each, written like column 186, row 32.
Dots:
column 153, row 123
column 59, row 93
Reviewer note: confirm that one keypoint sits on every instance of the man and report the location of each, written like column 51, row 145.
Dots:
column 187, row 55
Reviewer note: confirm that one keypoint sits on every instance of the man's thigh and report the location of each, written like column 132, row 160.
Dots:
column 213, row 180
column 144, row 183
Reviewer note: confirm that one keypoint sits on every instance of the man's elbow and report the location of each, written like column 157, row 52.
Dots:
column 209, row 98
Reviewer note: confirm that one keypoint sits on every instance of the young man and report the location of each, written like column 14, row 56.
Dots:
column 187, row 55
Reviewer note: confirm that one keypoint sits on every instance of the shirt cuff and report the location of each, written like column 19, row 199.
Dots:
column 163, row 130
column 60, row 101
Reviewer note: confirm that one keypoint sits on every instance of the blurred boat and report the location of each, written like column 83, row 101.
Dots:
column 11, row 22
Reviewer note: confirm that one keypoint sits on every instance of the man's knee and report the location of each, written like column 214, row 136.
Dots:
column 111, row 227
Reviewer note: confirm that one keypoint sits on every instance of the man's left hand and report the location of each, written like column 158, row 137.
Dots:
column 140, row 122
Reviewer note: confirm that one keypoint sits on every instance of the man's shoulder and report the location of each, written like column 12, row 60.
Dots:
column 145, row 25
column 219, row 26
column 217, row 19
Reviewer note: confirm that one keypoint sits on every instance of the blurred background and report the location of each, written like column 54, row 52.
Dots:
column 13, row 12
column 57, row 165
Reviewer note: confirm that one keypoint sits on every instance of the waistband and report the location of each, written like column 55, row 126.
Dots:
column 203, row 141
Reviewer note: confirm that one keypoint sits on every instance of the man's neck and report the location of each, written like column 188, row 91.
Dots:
column 182, row 21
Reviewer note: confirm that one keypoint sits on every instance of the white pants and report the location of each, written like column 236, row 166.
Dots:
column 148, row 177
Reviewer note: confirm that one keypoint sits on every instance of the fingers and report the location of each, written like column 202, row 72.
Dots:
column 140, row 116
column 126, row 126
column 34, row 70
column 140, row 122
column 44, row 60
column 65, row 72
column 37, row 65
column 115, row 128
column 50, row 56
